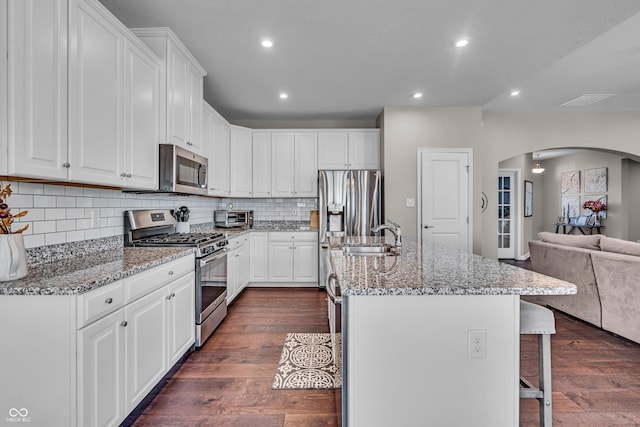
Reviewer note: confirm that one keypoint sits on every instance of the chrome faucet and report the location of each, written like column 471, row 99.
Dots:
column 393, row 228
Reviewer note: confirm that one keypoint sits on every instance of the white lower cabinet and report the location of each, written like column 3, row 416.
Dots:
column 180, row 317
column 122, row 356
column 293, row 257
column 237, row 266
column 101, row 368
column 259, row 257
column 146, row 345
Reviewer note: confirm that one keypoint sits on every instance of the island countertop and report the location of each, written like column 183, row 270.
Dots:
column 429, row 269
column 84, row 273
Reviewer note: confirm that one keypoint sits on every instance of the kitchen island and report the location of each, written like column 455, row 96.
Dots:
column 409, row 329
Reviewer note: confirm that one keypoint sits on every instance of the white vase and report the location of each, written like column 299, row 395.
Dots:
column 13, row 257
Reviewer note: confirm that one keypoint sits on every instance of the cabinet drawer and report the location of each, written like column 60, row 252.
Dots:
column 298, row 236
column 98, row 303
column 238, row 240
column 147, row 281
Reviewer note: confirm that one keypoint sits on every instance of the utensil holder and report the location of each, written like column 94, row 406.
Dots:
column 183, row 227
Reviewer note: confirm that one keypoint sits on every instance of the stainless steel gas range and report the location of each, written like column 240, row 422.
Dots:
column 158, row 228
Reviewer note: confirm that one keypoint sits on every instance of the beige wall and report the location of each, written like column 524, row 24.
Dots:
column 616, row 224
column 406, row 130
column 494, row 137
column 506, row 135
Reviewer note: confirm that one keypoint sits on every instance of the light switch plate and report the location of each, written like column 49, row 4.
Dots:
column 410, row 203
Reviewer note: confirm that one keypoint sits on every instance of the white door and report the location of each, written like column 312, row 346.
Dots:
column 506, row 214
column 444, row 197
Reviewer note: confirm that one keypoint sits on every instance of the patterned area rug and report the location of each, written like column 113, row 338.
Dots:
column 307, row 363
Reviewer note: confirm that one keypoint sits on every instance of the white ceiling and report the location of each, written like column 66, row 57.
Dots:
column 347, row 59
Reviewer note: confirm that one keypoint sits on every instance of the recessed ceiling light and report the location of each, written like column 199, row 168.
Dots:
column 283, row 95
column 417, row 95
column 462, row 42
column 514, row 93
column 266, row 43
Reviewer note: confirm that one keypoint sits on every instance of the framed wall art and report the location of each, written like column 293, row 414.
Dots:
column 571, row 205
column 595, row 180
column 570, row 182
column 528, row 198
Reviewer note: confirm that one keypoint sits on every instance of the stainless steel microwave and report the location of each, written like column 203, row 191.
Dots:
column 231, row 219
column 182, row 171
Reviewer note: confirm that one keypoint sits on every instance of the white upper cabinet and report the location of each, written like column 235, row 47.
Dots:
column 96, row 76
column 364, row 149
column 261, row 164
column 182, row 88
column 141, row 118
column 306, row 164
column 294, row 164
column 241, row 162
column 83, row 96
column 282, row 162
column 349, row 149
column 333, row 151
column 218, row 155
column 37, row 88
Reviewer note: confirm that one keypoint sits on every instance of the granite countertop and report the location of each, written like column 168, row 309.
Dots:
column 84, row 273
column 436, row 270
column 258, row 226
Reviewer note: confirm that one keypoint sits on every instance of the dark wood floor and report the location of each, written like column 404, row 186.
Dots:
column 596, row 376
column 228, row 381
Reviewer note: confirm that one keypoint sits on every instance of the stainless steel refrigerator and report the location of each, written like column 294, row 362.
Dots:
column 349, row 202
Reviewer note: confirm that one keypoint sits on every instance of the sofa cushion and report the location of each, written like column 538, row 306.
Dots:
column 585, row 242
column 609, row 244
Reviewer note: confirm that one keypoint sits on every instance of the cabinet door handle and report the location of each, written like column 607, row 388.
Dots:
column 173, row 294
column 66, row 165
column 109, row 300
column 124, row 175
column 170, row 272
column 124, row 323
column 128, row 175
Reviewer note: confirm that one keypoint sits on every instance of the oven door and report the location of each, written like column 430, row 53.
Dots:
column 211, row 284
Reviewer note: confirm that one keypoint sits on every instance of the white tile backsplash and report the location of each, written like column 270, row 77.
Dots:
column 59, row 214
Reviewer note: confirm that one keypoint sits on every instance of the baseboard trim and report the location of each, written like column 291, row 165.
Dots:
column 524, row 257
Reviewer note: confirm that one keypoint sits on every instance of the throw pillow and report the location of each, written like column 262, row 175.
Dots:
column 585, row 242
column 620, row 246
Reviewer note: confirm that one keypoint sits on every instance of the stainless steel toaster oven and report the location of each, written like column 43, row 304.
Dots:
column 233, row 218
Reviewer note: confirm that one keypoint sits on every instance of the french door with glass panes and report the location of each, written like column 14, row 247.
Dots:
column 506, row 214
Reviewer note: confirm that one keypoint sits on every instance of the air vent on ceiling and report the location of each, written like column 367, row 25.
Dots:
column 587, row 99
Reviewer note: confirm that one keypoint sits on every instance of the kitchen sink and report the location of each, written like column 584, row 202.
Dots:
column 364, row 250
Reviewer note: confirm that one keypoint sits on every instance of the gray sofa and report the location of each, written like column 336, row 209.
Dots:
column 606, row 272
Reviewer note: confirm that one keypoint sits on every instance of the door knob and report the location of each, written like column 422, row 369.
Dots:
column 429, row 226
